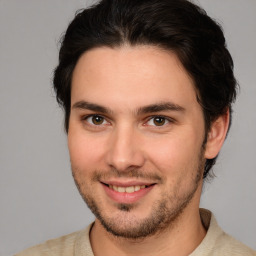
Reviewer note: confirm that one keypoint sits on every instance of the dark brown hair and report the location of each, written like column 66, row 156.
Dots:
column 176, row 25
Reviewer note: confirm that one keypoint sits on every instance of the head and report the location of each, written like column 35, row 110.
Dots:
column 147, row 88
column 176, row 26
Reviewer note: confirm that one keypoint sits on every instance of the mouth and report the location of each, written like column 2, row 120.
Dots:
column 127, row 193
column 129, row 189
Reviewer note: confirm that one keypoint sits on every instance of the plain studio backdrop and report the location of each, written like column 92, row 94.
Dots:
column 38, row 198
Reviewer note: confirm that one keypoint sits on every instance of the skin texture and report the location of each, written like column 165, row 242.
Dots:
column 135, row 120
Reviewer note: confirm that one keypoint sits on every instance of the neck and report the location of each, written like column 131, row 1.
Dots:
column 180, row 239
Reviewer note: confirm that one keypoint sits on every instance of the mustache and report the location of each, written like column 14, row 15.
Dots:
column 99, row 175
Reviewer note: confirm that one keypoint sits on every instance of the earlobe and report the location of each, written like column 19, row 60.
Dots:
column 217, row 135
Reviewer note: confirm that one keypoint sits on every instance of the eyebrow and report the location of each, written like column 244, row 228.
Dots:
column 162, row 106
column 91, row 106
column 152, row 108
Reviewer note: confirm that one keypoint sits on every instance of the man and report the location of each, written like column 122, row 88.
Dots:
column 147, row 88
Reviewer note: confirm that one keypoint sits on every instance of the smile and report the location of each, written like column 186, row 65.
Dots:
column 127, row 193
column 130, row 189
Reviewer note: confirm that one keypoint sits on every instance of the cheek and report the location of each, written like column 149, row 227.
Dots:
column 85, row 152
column 175, row 155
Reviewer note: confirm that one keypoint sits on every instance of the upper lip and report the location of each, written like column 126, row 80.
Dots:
column 130, row 183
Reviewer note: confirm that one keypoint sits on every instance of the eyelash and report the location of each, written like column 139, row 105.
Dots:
column 85, row 118
column 166, row 120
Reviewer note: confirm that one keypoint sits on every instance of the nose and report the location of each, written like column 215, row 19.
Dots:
column 125, row 150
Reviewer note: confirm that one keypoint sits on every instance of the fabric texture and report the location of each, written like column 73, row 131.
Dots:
column 215, row 243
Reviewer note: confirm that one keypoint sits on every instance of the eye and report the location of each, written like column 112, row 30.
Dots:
column 158, row 121
column 95, row 120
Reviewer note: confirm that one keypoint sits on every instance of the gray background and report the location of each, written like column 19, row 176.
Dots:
column 38, row 199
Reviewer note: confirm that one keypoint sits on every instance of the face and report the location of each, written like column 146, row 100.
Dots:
column 135, row 138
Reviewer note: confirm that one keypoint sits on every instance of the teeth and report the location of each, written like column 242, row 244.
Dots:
column 121, row 189
column 137, row 188
column 130, row 189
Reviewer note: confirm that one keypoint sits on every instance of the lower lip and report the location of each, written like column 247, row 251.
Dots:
column 126, row 198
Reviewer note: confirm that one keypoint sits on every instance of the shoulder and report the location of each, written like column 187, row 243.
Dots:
column 227, row 245
column 52, row 247
column 217, row 242
column 64, row 245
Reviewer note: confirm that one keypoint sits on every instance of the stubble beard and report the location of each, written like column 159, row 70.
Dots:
column 164, row 214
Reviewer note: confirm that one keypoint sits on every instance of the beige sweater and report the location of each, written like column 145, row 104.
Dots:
column 215, row 243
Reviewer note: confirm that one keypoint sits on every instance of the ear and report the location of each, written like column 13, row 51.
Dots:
column 217, row 135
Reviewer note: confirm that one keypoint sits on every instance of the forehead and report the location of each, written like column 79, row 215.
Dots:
column 131, row 76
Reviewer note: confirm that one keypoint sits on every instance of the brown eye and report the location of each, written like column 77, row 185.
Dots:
column 159, row 121
column 97, row 120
